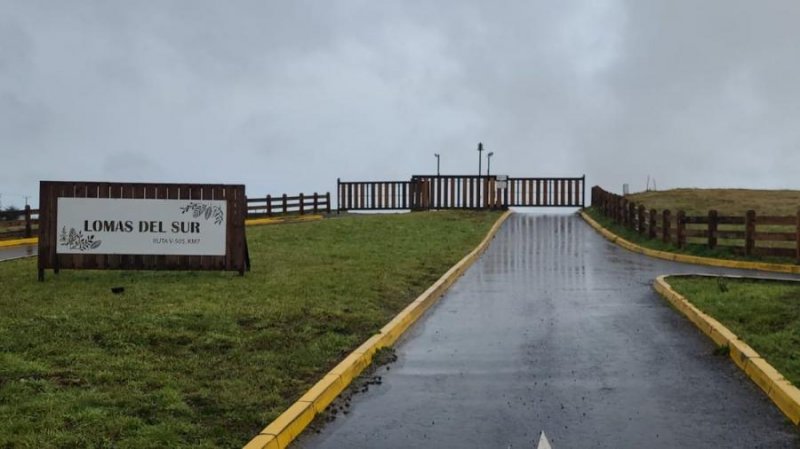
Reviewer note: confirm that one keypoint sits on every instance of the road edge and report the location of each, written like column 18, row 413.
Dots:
column 697, row 260
column 785, row 395
column 284, row 429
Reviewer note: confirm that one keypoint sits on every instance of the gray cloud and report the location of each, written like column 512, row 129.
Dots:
column 287, row 96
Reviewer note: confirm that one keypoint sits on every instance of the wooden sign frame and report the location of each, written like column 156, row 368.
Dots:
column 236, row 258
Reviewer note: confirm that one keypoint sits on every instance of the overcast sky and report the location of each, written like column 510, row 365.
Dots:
column 286, row 96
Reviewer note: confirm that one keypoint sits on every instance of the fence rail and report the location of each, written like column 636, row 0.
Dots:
column 270, row 206
column 373, row 195
column 27, row 222
column 749, row 235
column 25, row 225
column 425, row 192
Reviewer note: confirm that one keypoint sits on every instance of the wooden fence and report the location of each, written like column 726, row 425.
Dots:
column 749, row 234
column 25, row 225
column 28, row 223
column 282, row 204
column 374, row 195
column 425, row 192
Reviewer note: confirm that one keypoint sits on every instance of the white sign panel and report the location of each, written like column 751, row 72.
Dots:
column 141, row 227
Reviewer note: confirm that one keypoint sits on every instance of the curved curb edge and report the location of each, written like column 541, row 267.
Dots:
column 675, row 257
column 286, row 427
column 785, row 395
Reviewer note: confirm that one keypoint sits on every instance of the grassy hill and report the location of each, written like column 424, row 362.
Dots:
column 725, row 201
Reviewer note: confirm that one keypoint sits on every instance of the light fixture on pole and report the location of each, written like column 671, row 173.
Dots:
column 489, row 162
column 437, row 163
column 480, row 157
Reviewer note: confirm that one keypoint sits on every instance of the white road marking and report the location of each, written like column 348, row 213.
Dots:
column 543, row 443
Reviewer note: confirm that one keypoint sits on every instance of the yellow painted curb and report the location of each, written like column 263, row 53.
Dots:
column 785, row 395
column 675, row 257
column 19, row 242
column 281, row 432
column 278, row 220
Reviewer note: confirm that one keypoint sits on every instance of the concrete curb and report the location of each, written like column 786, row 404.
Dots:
column 279, row 433
column 675, row 257
column 279, row 220
column 252, row 222
column 19, row 242
column 785, row 395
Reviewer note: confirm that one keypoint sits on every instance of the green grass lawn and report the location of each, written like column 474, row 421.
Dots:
column 196, row 359
column 765, row 314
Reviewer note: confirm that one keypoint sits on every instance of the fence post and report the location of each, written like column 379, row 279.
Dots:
column 28, row 232
column 651, row 229
column 302, row 204
column 797, row 237
column 623, row 211
column 749, row 232
column 680, row 227
column 666, row 222
column 316, row 202
column 632, row 216
column 641, row 219
column 328, row 202
column 285, row 207
column 712, row 229
column 269, row 205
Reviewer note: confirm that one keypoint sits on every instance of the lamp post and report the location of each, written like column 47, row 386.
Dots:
column 480, row 157
column 489, row 162
column 437, row 163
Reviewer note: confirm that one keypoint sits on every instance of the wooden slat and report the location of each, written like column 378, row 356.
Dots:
column 773, row 220
column 730, row 220
column 776, row 236
column 696, row 232
column 730, row 234
column 696, row 220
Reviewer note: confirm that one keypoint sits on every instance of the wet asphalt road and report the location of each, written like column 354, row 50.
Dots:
column 16, row 252
column 556, row 329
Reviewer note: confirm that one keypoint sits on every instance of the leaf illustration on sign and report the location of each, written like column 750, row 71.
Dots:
column 199, row 209
column 76, row 240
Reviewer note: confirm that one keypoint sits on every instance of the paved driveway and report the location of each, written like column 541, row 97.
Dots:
column 556, row 329
column 15, row 252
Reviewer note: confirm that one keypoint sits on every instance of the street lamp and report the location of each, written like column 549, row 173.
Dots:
column 489, row 162
column 437, row 163
column 480, row 149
